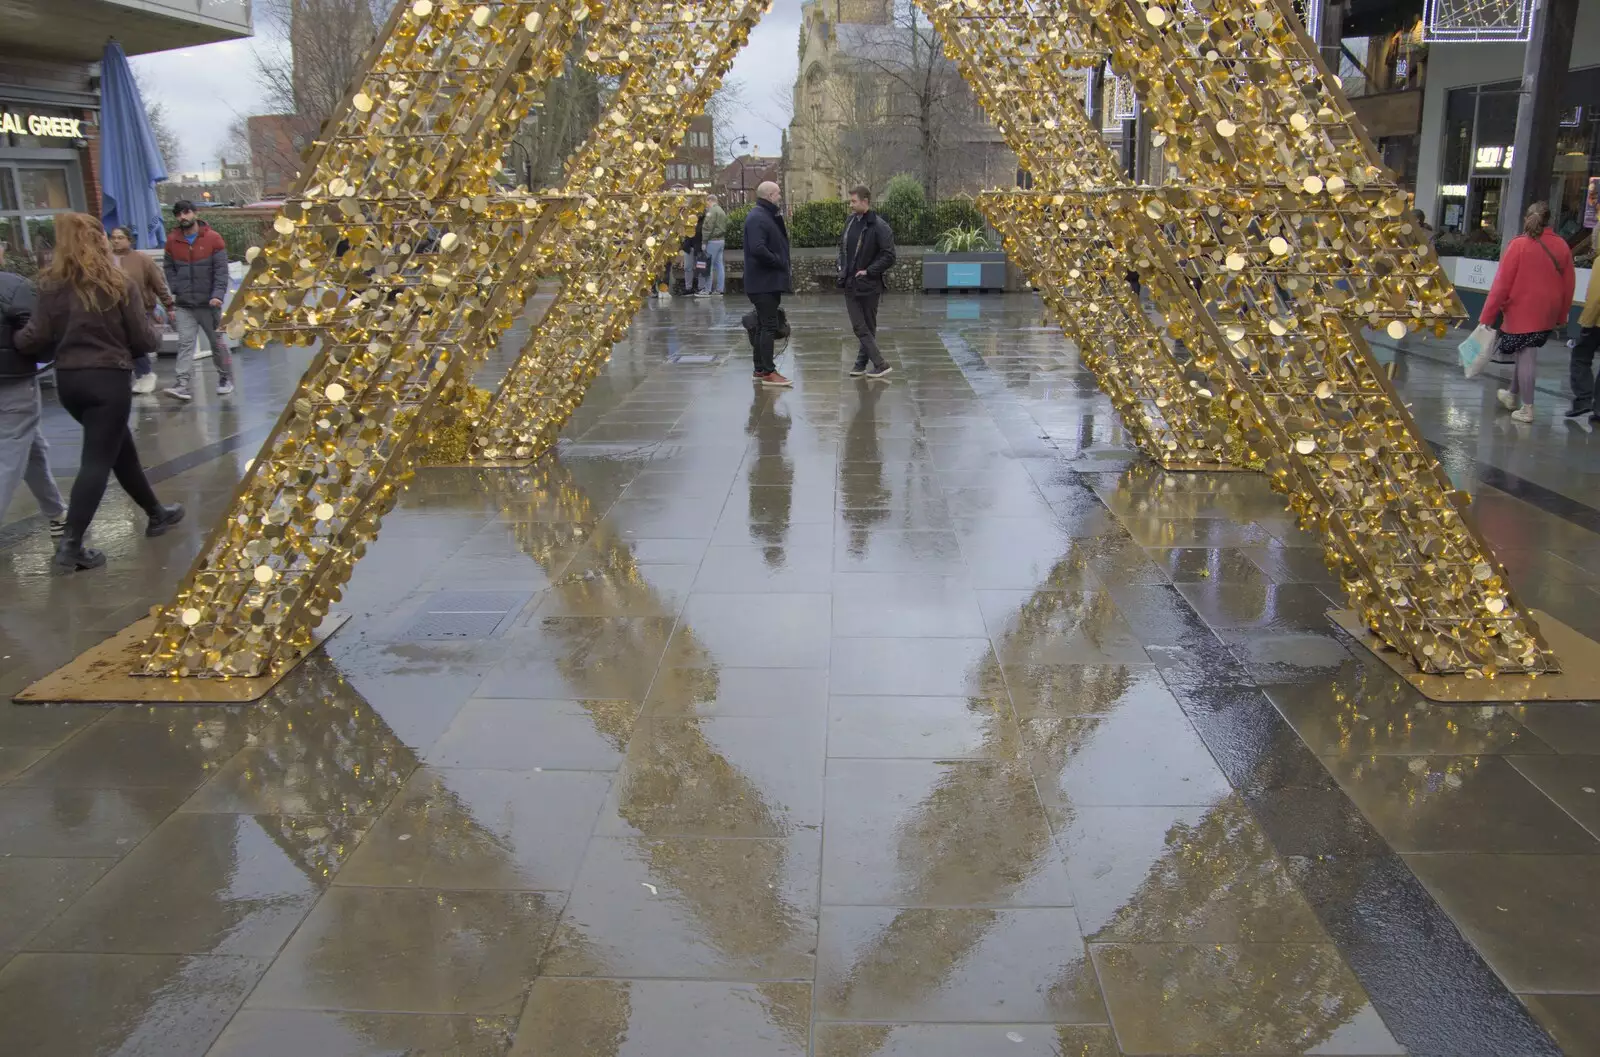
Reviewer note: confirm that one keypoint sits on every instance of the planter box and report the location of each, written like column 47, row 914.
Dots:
column 1473, row 278
column 964, row 271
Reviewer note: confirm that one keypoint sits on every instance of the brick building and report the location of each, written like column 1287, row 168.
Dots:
column 696, row 159
column 737, row 181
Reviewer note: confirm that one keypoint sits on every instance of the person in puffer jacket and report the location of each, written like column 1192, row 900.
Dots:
column 196, row 267
column 24, row 455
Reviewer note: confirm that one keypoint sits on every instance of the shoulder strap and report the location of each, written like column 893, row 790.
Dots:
column 1540, row 243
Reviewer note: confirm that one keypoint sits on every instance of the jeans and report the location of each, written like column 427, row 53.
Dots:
column 192, row 322
column 99, row 400
column 717, row 276
column 1581, row 373
column 24, row 454
column 766, row 334
column 691, row 285
column 863, row 309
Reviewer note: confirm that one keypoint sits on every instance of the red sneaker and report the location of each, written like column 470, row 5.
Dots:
column 776, row 379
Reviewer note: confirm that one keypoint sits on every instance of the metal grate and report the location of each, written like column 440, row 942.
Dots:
column 454, row 626
column 475, row 601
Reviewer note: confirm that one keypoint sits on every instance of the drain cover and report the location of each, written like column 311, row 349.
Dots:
column 453, row 626
column 464, row 614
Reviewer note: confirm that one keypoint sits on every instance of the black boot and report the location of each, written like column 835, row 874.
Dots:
column 163, row 518
column 72, row 555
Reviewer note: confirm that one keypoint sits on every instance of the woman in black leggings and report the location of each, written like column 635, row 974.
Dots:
column 91, row 318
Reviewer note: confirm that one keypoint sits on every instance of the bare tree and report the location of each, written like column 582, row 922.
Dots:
column 317, row 49
column 167, row 141
column 922, row 103
column 572, row 104
column 845, row 132
column 728, row 102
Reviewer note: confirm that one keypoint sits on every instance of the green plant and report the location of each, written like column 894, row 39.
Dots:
column 239, row 233
column 736, row 216
column 956, row 213
column 818, row 223
column 905, row 207
column 963, row 240
column 1453, row 245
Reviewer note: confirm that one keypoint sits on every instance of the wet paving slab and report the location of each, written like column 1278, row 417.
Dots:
column 859, row 720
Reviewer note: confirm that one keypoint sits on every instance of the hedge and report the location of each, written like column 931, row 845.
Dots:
column 240, row 234
column 818, row 223
column 736, row 215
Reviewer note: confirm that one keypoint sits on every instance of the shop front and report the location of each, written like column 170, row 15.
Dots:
column 46, row 168
column 1479, row 129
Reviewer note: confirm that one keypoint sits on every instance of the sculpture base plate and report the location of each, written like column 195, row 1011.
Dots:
column 105, row 674
column 1203, row 467
column 1579, row 679
column 484, row 464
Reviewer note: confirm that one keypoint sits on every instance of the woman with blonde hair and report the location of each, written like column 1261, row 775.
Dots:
column 91, row 318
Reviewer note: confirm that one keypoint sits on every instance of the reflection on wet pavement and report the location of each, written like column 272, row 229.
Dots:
column 860, row 720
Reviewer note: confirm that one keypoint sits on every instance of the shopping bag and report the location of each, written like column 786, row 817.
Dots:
column 1475, row 351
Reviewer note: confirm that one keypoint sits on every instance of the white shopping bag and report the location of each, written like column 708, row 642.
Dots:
column 1476, row 350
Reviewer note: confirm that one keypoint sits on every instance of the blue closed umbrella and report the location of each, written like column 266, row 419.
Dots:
column 130, row 161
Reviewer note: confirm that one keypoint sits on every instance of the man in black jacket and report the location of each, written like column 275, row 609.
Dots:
column 866, row 252
column 766, row 277
column 24, row 455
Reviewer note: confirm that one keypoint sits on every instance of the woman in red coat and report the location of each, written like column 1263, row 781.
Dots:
column 1533, row 288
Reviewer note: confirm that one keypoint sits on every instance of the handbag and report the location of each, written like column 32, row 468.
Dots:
column 1476, row 349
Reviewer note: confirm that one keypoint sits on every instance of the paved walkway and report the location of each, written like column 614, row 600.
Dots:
column 856, row 720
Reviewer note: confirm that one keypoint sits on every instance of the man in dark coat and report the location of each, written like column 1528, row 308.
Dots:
column 196, row 267
column 866, row 253
column 766, row 276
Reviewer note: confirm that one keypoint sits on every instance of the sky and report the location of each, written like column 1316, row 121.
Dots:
column 205, row 89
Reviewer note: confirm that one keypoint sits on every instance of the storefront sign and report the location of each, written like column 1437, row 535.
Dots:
column 18, row 124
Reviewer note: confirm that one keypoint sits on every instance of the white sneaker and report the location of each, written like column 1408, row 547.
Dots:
column 1507, row 401
column 224, row 387
column 145, row 383
column 1523, row 413
column 179, row 392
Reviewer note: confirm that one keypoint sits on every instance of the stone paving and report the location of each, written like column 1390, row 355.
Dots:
column 906, row 718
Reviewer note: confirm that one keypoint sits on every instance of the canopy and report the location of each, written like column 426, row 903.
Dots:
column 130, row 161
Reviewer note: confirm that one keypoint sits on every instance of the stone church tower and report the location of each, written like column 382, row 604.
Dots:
column 863, row 12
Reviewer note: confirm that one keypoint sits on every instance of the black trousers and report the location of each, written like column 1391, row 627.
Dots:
column 863, row 309
column 766, row 334
column 1581, row 373
column 99, row 400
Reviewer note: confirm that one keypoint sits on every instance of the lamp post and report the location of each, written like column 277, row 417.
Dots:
column 744, row 152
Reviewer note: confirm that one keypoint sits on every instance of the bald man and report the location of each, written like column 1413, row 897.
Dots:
column 766, row 277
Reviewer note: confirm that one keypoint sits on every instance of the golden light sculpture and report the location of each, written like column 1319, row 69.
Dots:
column 1291, row 238
column 1028, row 66
column 398, row 256
column 667, row 66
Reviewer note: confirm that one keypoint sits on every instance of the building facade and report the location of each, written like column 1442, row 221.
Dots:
column 868, row 78
column 1469, row 116
column 737, row 181
column 50, row 99
column 694, row 165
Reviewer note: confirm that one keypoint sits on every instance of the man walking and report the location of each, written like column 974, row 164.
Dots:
column 197, row 274
column 716, row 236
column 24, row 455
column 866, row 252
column 766, row 277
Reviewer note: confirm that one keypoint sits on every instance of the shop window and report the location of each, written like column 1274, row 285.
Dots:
column 44, row 189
